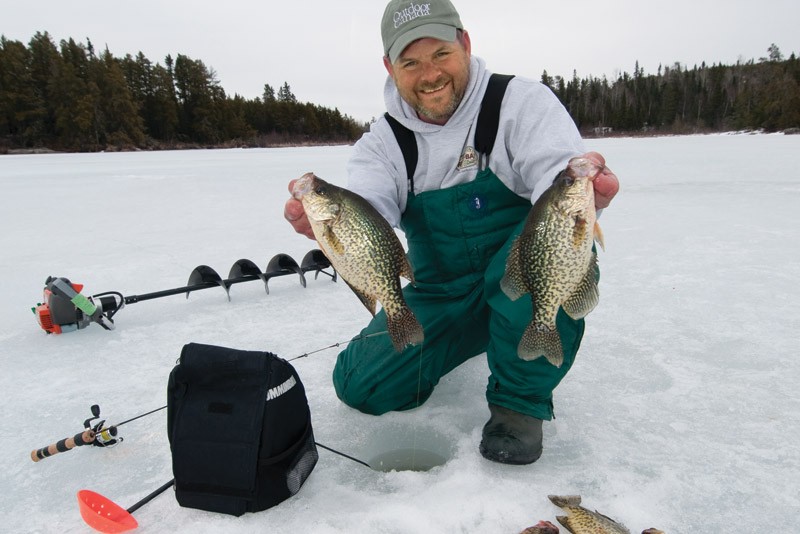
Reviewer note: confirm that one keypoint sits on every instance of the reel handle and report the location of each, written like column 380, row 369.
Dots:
column 84, row 438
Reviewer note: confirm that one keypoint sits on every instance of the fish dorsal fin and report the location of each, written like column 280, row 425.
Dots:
column 586, row 296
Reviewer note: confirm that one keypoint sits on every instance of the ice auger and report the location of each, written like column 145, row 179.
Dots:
column 66, row 309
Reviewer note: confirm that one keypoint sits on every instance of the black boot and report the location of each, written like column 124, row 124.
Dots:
column 511, row 437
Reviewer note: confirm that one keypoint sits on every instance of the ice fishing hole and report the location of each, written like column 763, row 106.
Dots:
column 403, row 449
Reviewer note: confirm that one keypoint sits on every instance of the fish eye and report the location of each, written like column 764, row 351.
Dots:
column 564, row 178
column 321, row 190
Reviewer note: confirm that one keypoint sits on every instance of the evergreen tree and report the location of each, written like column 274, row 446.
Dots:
column 21, row 110
column 547, row 80
column 74, row 100
column 122, row 124
column 285, row 94
column 198, row 91
column 45, row 65
column 773, row 54
column 269, row 93
column 162, row 108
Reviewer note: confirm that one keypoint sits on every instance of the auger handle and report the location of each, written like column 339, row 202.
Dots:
column 84, row 438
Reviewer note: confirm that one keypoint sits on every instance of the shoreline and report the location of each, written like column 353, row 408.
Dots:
column 587, row 135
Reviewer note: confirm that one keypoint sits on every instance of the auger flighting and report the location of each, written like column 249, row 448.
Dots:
column 65, row 309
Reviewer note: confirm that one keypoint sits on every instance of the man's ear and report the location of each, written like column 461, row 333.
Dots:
column 388, row 66
column 467, row 43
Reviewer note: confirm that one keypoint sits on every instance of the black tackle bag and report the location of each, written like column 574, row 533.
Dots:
column 239, row 429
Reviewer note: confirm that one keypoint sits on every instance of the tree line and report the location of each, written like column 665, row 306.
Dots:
column 752, row 95
column 69, row 97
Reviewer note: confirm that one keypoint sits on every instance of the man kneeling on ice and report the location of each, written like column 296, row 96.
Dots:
column 460, row 183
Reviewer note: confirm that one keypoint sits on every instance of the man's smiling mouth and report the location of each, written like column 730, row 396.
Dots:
column 434, row 89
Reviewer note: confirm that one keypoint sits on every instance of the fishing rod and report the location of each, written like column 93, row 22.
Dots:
column 99, row 435
column 65, row 309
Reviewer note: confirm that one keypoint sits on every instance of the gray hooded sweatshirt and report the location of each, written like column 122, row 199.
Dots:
column 535, row 139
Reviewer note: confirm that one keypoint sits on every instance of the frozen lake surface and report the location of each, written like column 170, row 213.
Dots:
column 682, row 411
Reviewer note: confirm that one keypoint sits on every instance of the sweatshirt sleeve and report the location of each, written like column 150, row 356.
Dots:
column 539, row 136
column 374, row 172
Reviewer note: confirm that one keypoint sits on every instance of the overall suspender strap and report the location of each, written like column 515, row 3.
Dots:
column 485, row 132
column 489, row 116
column 408, row 145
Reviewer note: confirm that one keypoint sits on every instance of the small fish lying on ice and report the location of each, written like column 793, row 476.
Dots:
column 579, row 520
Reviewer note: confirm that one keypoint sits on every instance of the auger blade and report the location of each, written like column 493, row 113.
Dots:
column 281, row 265
column 245, row 268
column 315, row 260
column 205, row 276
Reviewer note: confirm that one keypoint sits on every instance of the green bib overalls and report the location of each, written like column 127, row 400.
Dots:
column 458, row 240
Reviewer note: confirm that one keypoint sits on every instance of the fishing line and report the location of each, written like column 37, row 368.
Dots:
column 419, row 387
column 359, row 338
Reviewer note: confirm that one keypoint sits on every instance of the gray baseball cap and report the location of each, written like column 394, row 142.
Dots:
column 405, row 21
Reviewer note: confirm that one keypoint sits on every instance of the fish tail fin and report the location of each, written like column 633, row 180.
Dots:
column 404, row 329
column 541, row 340
column 565, row 500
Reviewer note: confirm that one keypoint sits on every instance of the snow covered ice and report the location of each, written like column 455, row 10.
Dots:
column 682, row 411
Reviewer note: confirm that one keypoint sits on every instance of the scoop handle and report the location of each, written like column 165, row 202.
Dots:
column 84, row 438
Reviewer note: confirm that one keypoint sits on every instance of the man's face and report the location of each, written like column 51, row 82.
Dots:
column 432, row 76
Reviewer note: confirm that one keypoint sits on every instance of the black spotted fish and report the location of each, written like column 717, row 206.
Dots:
column 579, row 520
column 364, row 250
column 552, row 259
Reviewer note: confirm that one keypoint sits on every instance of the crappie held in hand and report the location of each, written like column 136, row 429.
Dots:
column 552, row 259
column 364, row 250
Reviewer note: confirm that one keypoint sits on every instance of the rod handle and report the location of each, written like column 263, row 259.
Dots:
column 84, row 438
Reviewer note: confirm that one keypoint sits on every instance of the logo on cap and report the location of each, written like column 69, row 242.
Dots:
column 410, row 13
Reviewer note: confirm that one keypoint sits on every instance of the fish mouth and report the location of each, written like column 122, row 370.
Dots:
column 582, row 168
column 303, row 185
